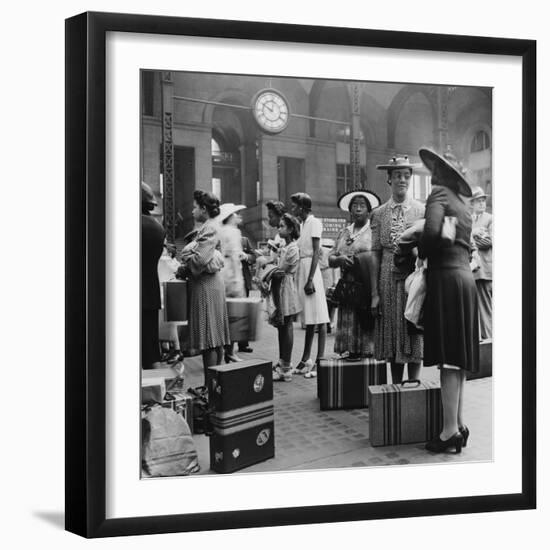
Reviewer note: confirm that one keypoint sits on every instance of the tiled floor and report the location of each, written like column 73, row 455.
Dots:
column 308, row 438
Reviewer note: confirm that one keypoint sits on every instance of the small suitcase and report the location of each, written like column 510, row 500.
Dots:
column 242, row 437
column 241, row 384
column 243, row 315
column 343, row 384
column 485, row 361
column 182, row 403
column 410, row 412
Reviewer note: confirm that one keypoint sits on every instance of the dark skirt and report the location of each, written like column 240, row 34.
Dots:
column 451, row 323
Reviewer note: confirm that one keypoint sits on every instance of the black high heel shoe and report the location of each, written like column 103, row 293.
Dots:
column 465, row 434
column 437, row 445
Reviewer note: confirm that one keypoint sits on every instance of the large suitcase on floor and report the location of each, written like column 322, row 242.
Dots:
column 242, row 437
column 485, row 361
column 343, row 384
column 410, row 412
column 241, row 399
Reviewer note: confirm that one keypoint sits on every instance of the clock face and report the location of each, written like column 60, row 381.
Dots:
column 271, row 111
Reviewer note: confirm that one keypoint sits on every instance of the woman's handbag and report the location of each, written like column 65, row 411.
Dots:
column 415, row 286
column 349, row 293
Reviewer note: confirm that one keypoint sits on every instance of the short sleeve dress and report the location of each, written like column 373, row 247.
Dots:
column 392, row 339
column 288, row 262
column 314, row 307
column 350, row 335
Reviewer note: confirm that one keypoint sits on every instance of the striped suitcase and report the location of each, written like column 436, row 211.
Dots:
column 410, row 412
column 343, row 384
column 242, row 437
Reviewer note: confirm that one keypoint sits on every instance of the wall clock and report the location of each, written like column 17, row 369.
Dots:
column 271, row 110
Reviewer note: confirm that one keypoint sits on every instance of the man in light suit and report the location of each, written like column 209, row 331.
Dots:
column 482, row 237
column 152, row 241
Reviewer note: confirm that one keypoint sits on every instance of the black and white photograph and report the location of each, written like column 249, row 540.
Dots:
column 316, row 273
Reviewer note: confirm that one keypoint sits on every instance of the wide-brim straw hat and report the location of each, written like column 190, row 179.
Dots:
column 453, row 174
column 228, row 209
column 396, row 163
column 345, row 200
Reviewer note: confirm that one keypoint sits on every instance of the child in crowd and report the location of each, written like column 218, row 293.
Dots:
column 286, row 303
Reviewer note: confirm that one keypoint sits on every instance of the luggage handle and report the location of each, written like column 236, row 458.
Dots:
column 413, row 381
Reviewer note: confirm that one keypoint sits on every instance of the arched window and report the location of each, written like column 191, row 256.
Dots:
column 480, row 142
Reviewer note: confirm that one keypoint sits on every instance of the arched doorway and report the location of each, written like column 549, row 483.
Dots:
column 226, row 167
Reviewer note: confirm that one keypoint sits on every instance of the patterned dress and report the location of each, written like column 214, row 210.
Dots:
column 208, row 323
column 350, row 336
column 392, row 340
column 288, row 262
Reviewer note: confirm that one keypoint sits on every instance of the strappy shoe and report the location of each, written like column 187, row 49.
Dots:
column 304, row 367
column 278, row 374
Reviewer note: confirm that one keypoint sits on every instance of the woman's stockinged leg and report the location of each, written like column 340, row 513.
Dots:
column 321, row 340
column 397, row 372
column 286, row 331
column 460, row 414
column 450, row 394
column 281, row 338
column 310, row 333
column 210, row 358
column 413, row 371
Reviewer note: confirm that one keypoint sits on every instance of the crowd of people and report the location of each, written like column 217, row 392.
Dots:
column 370, row 294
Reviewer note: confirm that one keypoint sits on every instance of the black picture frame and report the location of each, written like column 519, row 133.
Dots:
column 86, row 263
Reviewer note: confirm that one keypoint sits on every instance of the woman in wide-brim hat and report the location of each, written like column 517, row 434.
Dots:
column 229, row 220
column 393, row 342
column 352, row 254
column 451, row 326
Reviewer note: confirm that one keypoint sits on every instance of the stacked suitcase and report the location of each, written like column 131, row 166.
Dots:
column 241, row 398
column 343, row 383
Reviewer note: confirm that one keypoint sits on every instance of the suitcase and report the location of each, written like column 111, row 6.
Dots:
column 173, row 377
column 242, row 437
column 241, row 399
column 152, row 390
column 243, row 315
column 485, row 361
column 410, row 412
column 343, row 384
column 183, row 405
column 175, row 301
column 241, row 384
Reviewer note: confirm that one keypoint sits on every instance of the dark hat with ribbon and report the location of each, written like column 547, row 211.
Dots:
column 397, row 163
column 451, row 173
